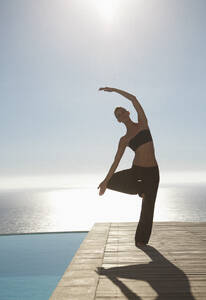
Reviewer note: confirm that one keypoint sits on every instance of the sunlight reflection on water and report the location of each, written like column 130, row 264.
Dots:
column 79, row 209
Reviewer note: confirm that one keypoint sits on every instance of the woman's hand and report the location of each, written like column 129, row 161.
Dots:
column 102, row 187
column 107, row 89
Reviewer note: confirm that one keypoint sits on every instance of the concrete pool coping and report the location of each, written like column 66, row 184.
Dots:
column 41, row 232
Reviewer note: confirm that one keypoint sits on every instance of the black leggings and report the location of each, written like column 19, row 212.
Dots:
column 138, row 180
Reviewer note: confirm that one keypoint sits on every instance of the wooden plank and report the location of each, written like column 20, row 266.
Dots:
column 109, row 266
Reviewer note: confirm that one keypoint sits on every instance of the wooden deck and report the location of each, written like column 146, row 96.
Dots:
column 108, row 266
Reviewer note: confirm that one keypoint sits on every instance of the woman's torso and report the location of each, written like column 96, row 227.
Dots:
column 145, row 153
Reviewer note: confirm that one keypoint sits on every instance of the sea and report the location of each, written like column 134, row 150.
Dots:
column 77, row 209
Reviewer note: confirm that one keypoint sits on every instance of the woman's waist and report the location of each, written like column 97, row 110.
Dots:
column 143, row 167
column 145, row 162
column 146, row 169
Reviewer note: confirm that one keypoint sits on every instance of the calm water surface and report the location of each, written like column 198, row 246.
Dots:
column 79, row 209
column 32, row 264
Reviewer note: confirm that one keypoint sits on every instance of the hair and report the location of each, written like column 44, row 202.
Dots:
column 116, row 109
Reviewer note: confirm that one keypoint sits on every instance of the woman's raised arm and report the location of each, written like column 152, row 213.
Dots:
column 142, row 119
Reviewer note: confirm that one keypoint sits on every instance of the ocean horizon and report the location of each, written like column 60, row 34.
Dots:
column 27, row 210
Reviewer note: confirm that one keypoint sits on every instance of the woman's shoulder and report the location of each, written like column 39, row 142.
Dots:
column 123, row 141
column 143, row 126
column 140, row 126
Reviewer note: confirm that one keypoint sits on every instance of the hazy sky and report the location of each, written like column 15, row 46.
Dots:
column 55, row 54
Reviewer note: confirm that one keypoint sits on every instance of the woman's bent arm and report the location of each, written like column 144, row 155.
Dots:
column 111, row 171
column 118, row 156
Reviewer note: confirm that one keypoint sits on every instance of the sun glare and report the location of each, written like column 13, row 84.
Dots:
column 107, row 9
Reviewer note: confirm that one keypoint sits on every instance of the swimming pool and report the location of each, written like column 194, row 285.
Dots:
column 32, row 264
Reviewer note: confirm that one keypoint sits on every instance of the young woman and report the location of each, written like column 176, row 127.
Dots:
column 143, row 177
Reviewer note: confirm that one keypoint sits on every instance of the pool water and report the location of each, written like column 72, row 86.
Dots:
column 32, row 264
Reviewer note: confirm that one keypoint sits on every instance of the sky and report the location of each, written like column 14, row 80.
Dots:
column 54, row 56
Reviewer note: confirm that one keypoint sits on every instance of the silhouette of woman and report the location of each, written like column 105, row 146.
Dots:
column 143, row 177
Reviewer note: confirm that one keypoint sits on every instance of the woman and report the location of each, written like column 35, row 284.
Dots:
column 143, row 177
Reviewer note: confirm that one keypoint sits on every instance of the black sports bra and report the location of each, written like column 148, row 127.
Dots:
column 140, row 138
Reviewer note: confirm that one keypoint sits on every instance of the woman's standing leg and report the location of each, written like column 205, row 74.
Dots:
column 144, row 227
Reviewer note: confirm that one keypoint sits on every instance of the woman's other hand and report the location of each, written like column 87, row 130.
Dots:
column 102, row 187
column 106, row 89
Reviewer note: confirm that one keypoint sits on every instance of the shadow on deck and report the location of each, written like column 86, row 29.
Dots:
column 166, row 279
